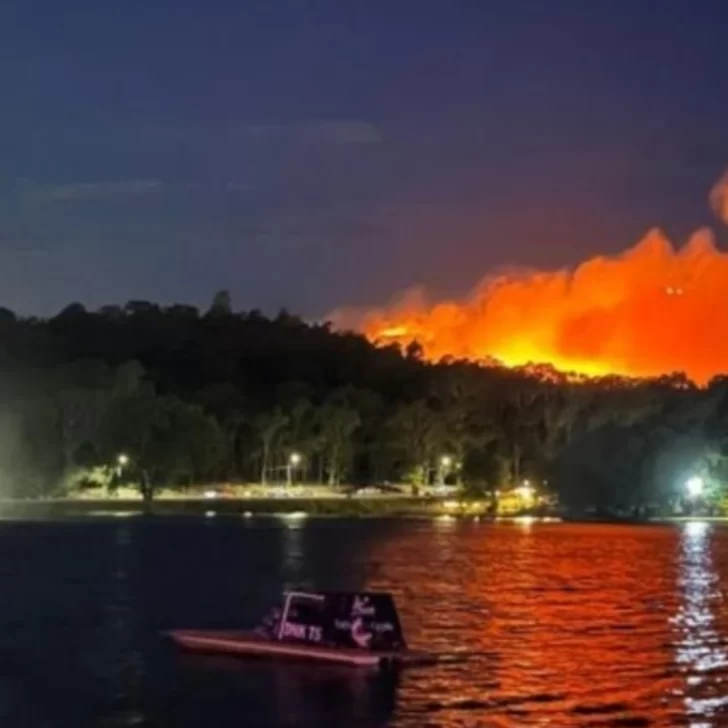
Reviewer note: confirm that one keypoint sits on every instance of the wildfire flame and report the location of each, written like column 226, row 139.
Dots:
column 652, row 310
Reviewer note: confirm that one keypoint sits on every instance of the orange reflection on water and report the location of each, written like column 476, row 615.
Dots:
column 561, row 624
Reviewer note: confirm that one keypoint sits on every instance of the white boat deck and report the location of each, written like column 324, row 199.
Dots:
column 248, row 642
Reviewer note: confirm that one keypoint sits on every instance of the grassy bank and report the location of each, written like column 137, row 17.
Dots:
column 382, row 507
column 387, row 507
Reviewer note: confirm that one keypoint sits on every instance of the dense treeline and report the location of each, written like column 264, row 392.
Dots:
column 221, row 396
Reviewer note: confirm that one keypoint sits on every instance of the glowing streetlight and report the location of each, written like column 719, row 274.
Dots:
column 294, row 459
column 694, row 486
column 443, row 470
column 122, row 461
column 525, row 490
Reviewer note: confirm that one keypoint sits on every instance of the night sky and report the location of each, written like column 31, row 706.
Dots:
column 310, row 154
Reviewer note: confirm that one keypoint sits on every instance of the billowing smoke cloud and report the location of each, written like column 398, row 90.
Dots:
column 719, row 198
column 655, row 309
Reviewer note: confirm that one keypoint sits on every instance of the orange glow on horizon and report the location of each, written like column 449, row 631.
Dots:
column 650, row 311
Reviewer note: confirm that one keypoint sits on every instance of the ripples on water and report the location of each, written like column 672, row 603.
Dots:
column 543, row 624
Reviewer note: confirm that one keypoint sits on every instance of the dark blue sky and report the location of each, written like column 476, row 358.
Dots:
column 309, row 154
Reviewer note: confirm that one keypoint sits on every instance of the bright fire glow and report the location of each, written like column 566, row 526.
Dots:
column 653, row 310
column 650, row 311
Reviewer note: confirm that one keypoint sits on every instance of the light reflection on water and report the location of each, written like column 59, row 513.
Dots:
column 701, row 650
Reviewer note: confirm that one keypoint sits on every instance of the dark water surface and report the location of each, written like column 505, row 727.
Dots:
column 563, row 625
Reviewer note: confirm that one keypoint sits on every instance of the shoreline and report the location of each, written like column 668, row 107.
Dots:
column 298, row 508
column 333, row 507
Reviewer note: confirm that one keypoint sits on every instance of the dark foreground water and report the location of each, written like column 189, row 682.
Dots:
column 563, row 625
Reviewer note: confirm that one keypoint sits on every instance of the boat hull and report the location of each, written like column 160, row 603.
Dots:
column 250, row 643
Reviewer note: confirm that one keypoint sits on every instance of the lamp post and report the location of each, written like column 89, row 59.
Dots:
column 444, row 470
column 294, row 459
column 525, row 491
column 121, row 462
column 694, row 487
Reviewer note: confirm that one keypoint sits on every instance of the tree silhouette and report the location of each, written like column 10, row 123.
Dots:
column 225, row 395
column 221, row 304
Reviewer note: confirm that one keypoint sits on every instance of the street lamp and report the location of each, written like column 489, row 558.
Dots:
column 121, row 462
column 525, row 491
column 444, row 469
column 294, row 459
column 694, row 486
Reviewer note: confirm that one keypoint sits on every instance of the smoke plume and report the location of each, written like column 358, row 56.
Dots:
column 655, row 309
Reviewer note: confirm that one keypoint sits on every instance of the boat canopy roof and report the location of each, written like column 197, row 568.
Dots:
column 366, row 620
column 333, row 594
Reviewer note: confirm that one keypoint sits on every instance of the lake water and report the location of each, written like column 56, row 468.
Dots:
column 562, row 625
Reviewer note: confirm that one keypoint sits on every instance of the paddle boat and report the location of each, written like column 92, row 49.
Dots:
column 361, row 629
